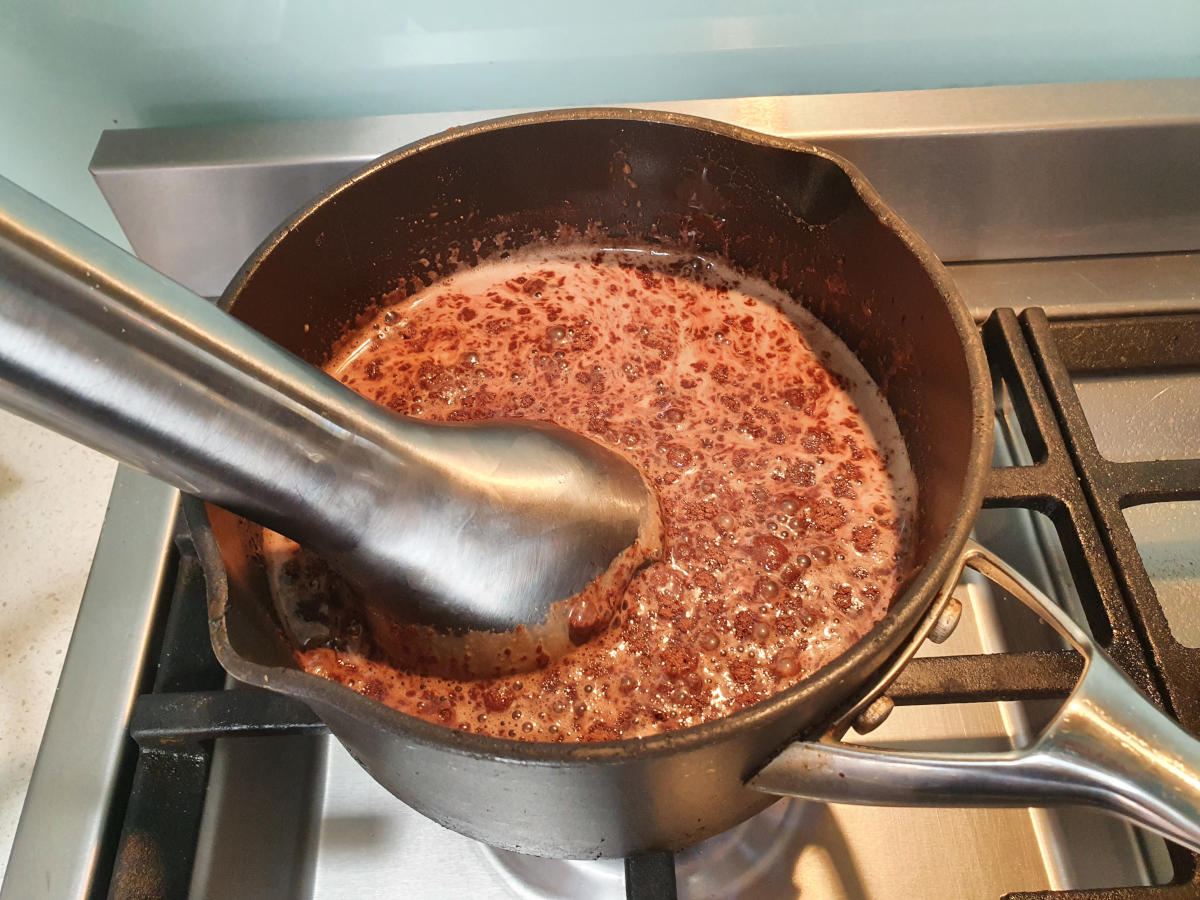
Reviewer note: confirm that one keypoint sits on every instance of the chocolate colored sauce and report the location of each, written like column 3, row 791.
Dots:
column 786, row 494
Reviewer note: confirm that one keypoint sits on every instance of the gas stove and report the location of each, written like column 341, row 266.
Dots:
column 1069, row 214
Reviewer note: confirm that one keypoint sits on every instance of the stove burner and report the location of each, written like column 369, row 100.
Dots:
column 1070, row 482
column 731, row 864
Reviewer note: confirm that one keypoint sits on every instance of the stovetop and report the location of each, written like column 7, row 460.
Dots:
column 289, row 814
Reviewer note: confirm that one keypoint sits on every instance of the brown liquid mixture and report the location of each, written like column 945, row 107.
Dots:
column 785, row 489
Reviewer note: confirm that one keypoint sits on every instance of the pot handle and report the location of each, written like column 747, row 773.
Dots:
column 1108, row 747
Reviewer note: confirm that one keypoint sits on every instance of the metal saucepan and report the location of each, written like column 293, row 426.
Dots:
column 805, row 220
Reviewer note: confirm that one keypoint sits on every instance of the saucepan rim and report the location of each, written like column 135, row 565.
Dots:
column 846, row 674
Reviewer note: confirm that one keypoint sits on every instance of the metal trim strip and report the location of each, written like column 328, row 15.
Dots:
column 57, row 849
column 1013, row 172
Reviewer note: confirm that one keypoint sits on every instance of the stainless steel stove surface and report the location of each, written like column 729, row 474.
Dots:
column 1091, row 187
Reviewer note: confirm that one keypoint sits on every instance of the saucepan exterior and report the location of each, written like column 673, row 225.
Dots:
column 796, row 215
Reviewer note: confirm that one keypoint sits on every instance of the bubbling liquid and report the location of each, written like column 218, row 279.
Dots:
column 786, row 495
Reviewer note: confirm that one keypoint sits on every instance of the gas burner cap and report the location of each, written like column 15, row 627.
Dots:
column 725, row 865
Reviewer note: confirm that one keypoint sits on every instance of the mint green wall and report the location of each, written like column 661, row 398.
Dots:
column 70, row 68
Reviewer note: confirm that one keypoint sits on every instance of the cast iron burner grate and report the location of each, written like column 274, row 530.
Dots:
column 175, row 722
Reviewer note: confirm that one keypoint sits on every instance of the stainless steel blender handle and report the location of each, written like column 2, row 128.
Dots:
column 1108, row 747
column 100, row 347
column 483, row 525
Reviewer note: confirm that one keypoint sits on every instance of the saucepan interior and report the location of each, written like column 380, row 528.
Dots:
column 790, row 213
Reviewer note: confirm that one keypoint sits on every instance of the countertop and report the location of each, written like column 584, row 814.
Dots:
column 53, row 494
